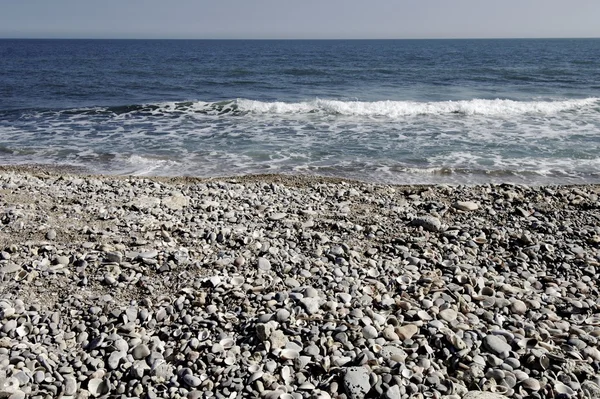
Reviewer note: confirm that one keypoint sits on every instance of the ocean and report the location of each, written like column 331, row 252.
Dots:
column 386, row 111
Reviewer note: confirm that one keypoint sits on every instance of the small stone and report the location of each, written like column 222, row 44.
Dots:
column 519, row 307
column 278, row 339
column 311, row 305
column 407, row 331
column 356, row 382
column 191, row 380
column 393, row 392
column 263, row 331
column 496, row 345
column 264, row 264
column 448, row 314
column 282, row 315
column 466, row 205
column 429, row 223
column 113, row 257
column 9, row 326
column 141, row 351
column 51, row 235
column 483, row 395
column 70, row 385
column 531, row 384
column 176, row 201
column 62, row 260
column 277, row 216
column 239, row 261
column 370, row 332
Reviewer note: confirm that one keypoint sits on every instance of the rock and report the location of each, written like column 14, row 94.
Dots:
column 407, row 331
column 113, row 257
column 176, row 201
column 144, row 203
column 311, row 305
column 277, row 216
column 263, row 264
column 519, row 307
column 466, row 205
column 278, row 339
column 393, row 392
column 370, row 332
column 429, row 223
column 448, row 314
column 51, row 234
column 496, row 345
column 483, row 395
column 141, row 351
column 70, row 385
column 356, row 382
column 191, row 380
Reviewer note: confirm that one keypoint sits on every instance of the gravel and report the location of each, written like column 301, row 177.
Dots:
column 296, row 287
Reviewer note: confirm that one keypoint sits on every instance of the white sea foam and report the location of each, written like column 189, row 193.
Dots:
column 395, row 109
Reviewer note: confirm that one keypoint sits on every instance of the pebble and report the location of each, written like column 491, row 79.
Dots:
column 407, row 331
column 264, row 264
column 466, row 205
column 356, row 382
column 344, row 299
column 141, row 351
column 496, row 345
column 429, row 223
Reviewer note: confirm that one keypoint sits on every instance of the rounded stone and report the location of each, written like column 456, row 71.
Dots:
column 140, row 352
column 370, row 332
column 356, row 382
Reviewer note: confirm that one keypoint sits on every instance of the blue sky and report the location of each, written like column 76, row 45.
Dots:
column 299, row 19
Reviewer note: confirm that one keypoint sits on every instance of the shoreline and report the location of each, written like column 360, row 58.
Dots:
column 295, row 179
column 275, row 285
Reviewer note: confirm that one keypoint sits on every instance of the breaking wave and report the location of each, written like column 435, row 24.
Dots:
column 387, row 108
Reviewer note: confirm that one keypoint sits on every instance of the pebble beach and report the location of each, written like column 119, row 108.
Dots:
column 295, row 287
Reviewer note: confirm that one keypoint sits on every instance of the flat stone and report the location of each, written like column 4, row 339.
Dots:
column 483, row 395
column 144, row 203
column 466, row 205
column 264, row 264
column 407, row 331
column 496, row 345
column 277, row 216
column 51, row 234
column 448, row 314
column 429, row 223
column 356, row 382
column 113, row 257
column 191, row 380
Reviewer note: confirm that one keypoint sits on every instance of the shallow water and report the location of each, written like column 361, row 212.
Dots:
column 459, row 111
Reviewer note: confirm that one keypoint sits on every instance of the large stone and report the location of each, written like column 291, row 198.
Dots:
column 356, row 382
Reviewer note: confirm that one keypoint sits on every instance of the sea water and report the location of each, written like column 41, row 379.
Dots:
column 391, row 111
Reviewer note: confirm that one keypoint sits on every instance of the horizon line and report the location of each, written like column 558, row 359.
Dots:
column 299, row 39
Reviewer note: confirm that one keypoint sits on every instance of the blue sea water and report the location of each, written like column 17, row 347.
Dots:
column 394, row 111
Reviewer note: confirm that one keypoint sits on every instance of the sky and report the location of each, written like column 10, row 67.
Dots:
column 298, row 19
